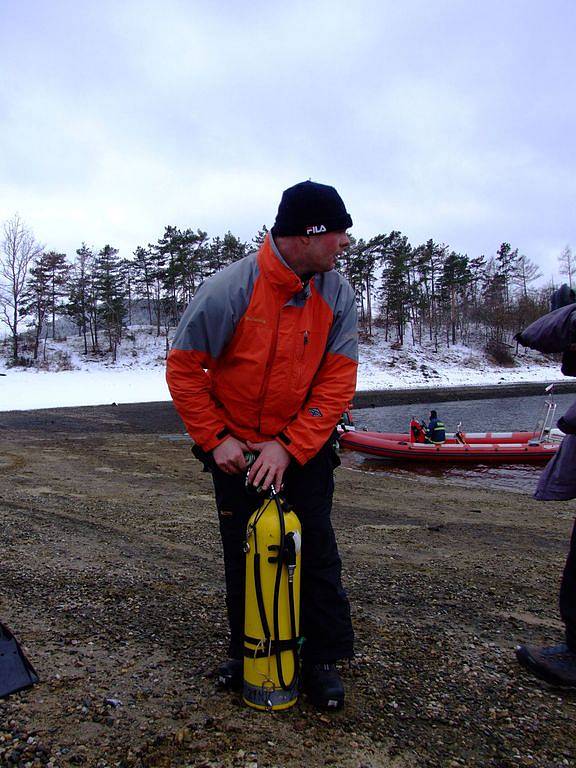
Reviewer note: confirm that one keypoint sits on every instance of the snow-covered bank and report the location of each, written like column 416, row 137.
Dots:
column 26, row 390
column 383, row 367
column 138, row 375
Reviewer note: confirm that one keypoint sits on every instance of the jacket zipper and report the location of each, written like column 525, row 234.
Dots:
column 269, row 364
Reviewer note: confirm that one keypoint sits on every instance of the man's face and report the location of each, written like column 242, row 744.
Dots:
column 322, row 250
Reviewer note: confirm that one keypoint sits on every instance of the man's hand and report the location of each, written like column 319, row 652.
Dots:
column 229, row 456
column 270, row 465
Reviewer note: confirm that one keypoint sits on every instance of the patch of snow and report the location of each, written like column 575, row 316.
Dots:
column 22, row 390
column 72, row 378
column 138, row 373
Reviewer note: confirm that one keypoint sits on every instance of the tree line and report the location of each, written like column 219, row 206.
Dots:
column 433, row 293
column 416, row 293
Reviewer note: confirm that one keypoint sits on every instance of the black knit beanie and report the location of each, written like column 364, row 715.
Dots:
column 309, row 208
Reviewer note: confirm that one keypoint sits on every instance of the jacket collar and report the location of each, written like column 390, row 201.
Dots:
column 275, row 269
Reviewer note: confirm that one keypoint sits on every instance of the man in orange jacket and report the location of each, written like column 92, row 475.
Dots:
column 264, row 360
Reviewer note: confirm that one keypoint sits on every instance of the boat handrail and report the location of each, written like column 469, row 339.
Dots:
column 543, row 428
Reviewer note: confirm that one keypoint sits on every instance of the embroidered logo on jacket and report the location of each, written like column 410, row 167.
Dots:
column 317, row 229
column 314, row 411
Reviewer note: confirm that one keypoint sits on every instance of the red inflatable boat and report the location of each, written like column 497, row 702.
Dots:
column 477, row 447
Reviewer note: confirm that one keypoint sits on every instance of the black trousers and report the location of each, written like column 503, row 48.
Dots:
column 324, row 608
column 568, row 593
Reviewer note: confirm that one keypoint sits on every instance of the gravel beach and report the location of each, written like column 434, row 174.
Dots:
column 111, row 577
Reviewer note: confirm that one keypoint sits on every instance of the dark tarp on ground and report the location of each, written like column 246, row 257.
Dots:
column 16, row 672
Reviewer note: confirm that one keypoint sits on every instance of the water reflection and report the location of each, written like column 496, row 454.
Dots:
column 514, row 477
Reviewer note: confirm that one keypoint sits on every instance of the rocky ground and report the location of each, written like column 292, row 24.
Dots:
column 111, row 577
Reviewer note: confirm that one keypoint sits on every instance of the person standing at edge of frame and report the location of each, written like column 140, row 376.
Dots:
column 264, row 360
column 556, row 332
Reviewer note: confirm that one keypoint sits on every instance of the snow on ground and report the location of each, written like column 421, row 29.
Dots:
column 26, row 390
column 382, row 366
column 138, row 374
column 136, row 377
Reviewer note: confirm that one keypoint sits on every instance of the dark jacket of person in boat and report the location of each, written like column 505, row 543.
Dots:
column 556, row 332
column 436, row 432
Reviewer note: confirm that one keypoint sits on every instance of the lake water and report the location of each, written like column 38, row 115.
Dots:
column 494, row 415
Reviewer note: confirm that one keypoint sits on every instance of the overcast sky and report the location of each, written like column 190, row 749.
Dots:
column 445, row 119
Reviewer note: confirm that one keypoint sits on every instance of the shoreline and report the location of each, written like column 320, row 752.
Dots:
column 163, row 416
column 381, row 397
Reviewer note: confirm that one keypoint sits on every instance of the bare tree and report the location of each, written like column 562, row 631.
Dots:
column 567, row 261
column 527, row 271
column 19, row 249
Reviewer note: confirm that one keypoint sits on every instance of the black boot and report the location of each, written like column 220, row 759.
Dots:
column 230, row 675
column 323, row 686
column 555, row 664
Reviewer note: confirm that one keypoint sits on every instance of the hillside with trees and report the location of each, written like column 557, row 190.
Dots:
column 414, row 295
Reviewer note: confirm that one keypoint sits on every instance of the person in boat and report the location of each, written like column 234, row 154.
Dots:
column 346, row 421
column 556, row 332
column 436, row 432
column 264, row 360
column 417, row 431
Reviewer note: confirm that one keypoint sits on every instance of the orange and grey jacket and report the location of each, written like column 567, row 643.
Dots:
column 261, row 356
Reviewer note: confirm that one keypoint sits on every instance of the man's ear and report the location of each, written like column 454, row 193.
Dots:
column 304, row 240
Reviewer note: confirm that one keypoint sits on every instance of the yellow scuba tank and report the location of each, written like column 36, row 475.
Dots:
column 272, row 606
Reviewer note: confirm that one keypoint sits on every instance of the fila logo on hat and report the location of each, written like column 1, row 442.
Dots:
column 317, row 229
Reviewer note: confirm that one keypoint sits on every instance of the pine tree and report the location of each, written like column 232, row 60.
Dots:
column 198, row 247
column 477, row 266
column 222, row 252
column 215, row 256
column 175, row 272
column 353, row 267
column 259, row 238
column 454, row 284
column 395, row 289
column 494, row 310
column 143, row 276
column 360, row 261
column 36, row 298
column 506, row 264
column 428, row 261
column 127, row 275
column 157, row 274
column 185, row 255
column 58, row 271
column 111, row 309
column 233, row 249
column 79, row 297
